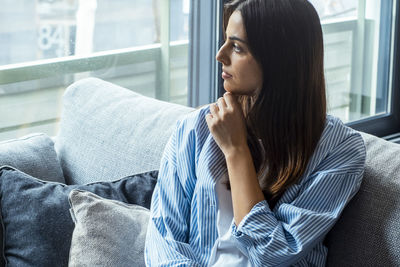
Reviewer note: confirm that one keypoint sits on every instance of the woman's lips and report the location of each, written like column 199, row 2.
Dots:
column 226, row 75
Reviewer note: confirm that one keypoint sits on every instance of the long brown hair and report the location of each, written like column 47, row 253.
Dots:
column 286, row 118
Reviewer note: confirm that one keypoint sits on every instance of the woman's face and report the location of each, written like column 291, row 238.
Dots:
column 242, row 74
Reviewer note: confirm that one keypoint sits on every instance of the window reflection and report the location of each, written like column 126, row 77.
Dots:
column 42, row 29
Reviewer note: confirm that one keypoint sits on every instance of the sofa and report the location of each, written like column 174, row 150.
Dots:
column 104, row 161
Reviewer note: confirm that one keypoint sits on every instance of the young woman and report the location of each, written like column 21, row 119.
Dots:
column 261, row 176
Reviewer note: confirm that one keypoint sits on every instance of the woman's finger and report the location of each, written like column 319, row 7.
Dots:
column 209, row 118
column 221, row 103
column 214, row 109
column 230, row 99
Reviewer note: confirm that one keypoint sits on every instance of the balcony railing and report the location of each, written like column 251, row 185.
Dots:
column 30, row 95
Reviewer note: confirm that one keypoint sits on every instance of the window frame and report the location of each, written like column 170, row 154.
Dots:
column 204, row 72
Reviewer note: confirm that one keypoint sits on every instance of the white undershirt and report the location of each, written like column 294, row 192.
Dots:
column 225, row 252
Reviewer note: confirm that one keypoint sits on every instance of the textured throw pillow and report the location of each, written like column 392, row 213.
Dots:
column 33, row 154
column 36, row 219
column 107, row 232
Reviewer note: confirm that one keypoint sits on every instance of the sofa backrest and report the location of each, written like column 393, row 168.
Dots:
column 108, row 132
column 368, row 232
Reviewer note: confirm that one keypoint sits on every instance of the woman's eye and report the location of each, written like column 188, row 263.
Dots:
column 236, row 48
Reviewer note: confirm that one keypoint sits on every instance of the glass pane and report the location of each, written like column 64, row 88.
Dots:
column 357, row 40
column 36, row 33
column 335, row 8
column 179, row 24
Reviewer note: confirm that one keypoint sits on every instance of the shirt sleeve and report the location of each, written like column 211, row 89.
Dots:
column 168, row 229
column 283, row 237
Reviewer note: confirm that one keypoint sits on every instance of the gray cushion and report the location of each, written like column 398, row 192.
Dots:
column 108, row 131
column 368, row 232
column 35, row 214
column 107, row 232
column 33, row 154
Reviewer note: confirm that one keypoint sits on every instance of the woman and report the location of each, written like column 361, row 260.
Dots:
column 261, row 176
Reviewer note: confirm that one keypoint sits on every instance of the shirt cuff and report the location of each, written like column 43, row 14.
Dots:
column 260, row 207
column 241, row 234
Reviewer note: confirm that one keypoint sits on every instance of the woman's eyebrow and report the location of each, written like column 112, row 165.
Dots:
column 233, row 38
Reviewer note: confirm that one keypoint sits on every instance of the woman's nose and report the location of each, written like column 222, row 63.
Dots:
column 221, row 57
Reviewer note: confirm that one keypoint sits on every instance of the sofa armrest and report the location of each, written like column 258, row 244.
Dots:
column 368, row 231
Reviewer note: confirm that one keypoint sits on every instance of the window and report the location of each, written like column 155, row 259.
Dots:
column 166, row 49
column 45, row 45
column 357, row 56
column 361, row 47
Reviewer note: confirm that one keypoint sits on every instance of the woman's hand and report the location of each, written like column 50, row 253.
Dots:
column 227, row 124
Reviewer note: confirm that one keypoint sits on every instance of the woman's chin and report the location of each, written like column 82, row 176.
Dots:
column 237, row 89
column 238, row 92
column 230, row 89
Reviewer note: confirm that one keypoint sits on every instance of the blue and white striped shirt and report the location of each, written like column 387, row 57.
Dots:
column 182, row 227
